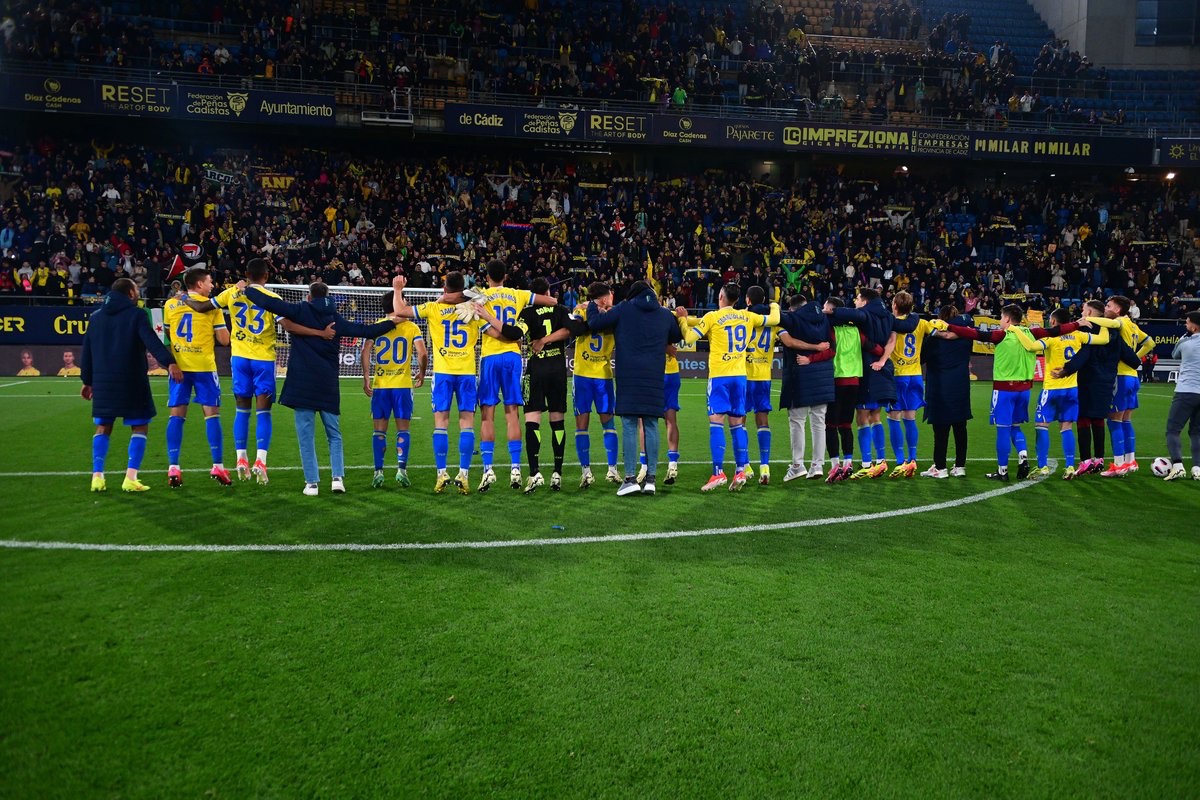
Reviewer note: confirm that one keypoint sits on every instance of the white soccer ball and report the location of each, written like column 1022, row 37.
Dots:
column 1160, row 467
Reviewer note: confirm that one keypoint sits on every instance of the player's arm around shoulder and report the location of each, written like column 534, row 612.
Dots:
column 1027, row 341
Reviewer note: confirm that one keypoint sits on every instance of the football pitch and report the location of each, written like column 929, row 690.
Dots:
column 883, row 638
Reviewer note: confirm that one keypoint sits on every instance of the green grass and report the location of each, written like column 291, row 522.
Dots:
column 1040, row 643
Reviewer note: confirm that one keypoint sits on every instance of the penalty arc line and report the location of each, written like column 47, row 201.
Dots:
column 14, row 544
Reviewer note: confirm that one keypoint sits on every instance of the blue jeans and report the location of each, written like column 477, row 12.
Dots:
column 629, row 436
column 306, row 434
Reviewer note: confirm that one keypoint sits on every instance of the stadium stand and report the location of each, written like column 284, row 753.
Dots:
column 85, row 213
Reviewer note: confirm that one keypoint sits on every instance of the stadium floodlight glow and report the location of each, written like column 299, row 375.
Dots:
column 1170, row 176
column 1129, row 170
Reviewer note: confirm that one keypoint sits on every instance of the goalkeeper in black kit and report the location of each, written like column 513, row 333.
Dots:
column 548, row 329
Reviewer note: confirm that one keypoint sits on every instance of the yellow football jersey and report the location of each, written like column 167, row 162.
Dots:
column 507, row 304
column 681, row 347
column 729, row 333
column 191, row 334
column 453, row 341
column 906, row 357
column 391, row 357
column 759, row 353
column 251, row 329
column 1061, row 349
column 1132, row 335
column 594, row 352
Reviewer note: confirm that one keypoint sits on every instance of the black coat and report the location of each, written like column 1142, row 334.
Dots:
column 113, row 361
column 642, row 329
column 877, row 323
column 810, row 385
column 1097, row 368
column 312, row 376
column 948, row 377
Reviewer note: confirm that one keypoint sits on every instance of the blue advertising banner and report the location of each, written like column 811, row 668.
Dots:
column 1174, row 152
column 255, row 105
column 87, row 96
column 1165, row 335
column 164, row 100
column 44, row 324
column 685, row 130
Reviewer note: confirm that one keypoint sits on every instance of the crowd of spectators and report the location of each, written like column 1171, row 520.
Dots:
column 628, row 51
column 77, row 215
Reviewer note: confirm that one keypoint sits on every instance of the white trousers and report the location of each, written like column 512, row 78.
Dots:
column 797, row 419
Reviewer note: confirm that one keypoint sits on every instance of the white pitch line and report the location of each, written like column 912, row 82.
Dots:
column 324, row 469
column 13, row 544
column 7, row 385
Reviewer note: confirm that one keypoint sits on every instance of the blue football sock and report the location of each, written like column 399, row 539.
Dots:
column 610, row 441
column 764, row 445
column 1043, row 445
column 741, row 445
column 241, row 428
column 913, row 435
column 514, row 453
column 716, row 443
column 378, row 445
column 583, row 447
column 212, row 429
column 403, row 442
column 441, row 448
column 642, row 459
column 880, row 443
column 100, row 450
column 1018, row 440
column 673, row 456
column 487, row 454
column 896, row 433
column 466, row 448
column 137, row 451
column 1068, row 444
column 1116, row 435
column 865, row 439
column 1003, row 445
column 174, row 439
column 262, row 429
column 1130, row 441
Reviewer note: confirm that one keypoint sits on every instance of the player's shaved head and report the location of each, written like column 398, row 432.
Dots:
column 455, row 281
column 1194, row 318
column 256, row 270
column 125, row 286
column 797, row 300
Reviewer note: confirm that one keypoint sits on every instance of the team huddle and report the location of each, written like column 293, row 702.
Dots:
column 843, row 366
